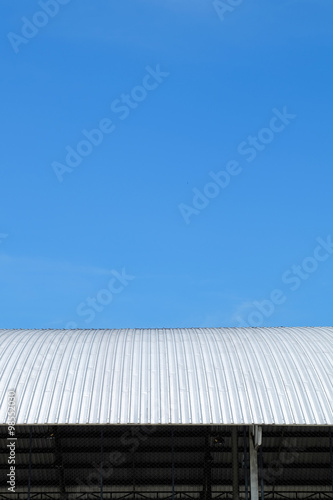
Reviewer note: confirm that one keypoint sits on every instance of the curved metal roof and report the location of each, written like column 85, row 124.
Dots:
column 215, row 376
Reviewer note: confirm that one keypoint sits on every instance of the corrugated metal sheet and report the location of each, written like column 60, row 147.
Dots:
column 219, row 376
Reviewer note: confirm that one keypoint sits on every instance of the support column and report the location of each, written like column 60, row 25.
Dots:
column 30, row 450
column 245, row 464
column 255, row 434
column 59, row 461
column 207, row 469
column 133, row 474
column 235, row 478
column 101, row 467
column 173, row 463
column 261, row 470
column 331, row 456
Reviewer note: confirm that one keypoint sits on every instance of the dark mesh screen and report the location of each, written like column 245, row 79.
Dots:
column 115, row 462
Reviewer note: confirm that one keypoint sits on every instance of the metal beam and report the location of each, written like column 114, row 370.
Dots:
column 142, row 482
column 154, row 449
column 166, row 465
column 115, row 432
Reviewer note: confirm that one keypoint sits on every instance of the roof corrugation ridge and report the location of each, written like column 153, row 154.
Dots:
column 181, row 375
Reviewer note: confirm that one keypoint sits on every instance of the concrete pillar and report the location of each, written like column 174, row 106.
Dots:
column 255, row 435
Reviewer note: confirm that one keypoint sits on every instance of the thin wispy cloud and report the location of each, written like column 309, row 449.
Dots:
column 43, row 264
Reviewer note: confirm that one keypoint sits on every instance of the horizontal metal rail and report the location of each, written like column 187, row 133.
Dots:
column 158, row 495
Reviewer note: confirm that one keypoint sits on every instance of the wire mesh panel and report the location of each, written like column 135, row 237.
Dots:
column 159, row 462
column 120, row 461
column 294, row 461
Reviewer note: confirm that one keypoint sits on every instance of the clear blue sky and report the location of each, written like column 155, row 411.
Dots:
column 192, row 99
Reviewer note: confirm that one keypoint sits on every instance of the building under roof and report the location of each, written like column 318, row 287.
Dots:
column 164, row 413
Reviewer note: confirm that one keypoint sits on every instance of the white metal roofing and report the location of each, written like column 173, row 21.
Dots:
column 180, row 376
